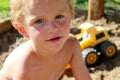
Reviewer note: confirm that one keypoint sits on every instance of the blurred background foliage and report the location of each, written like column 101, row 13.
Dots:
column 82, row 4
column 4, row 8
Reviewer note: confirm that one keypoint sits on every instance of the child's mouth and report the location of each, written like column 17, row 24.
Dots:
column 54, row 39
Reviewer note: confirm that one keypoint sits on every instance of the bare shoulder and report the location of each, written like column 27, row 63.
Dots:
column 19, row 52
column 75, row 46
column 73, row 40
column 12, row 60
column 72, row 44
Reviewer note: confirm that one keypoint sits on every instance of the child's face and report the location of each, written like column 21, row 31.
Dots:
column 48, row 23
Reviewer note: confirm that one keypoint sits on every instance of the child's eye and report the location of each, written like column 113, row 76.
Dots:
column 39, row 21
column 59, row 17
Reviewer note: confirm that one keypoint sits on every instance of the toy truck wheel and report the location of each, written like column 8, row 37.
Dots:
column 108, row 49
column 90, row 56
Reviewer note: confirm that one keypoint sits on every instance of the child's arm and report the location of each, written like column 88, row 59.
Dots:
column 78, row 67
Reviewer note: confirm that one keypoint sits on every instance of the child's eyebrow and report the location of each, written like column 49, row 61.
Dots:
column 61, row 11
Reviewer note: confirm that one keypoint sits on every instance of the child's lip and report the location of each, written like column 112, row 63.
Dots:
column 54, row 39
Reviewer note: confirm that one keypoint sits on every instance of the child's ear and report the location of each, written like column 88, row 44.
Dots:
column 20, row 29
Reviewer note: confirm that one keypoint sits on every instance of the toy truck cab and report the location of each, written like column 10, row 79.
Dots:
column 90, row 35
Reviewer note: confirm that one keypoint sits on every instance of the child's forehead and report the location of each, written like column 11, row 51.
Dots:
column 41, row 2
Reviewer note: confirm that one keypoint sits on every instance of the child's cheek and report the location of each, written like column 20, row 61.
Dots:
column 62, row 23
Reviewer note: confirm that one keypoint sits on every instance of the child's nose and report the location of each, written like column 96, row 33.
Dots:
column 52, row 28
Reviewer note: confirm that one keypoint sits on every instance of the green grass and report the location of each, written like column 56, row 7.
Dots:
column 4, row 8
column 83, row 4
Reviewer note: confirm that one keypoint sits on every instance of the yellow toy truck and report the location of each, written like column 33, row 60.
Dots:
column 94, row 41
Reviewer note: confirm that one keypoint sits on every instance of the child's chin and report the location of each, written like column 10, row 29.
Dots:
column 56, row 48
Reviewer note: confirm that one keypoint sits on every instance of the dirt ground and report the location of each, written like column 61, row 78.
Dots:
column 107, row 69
